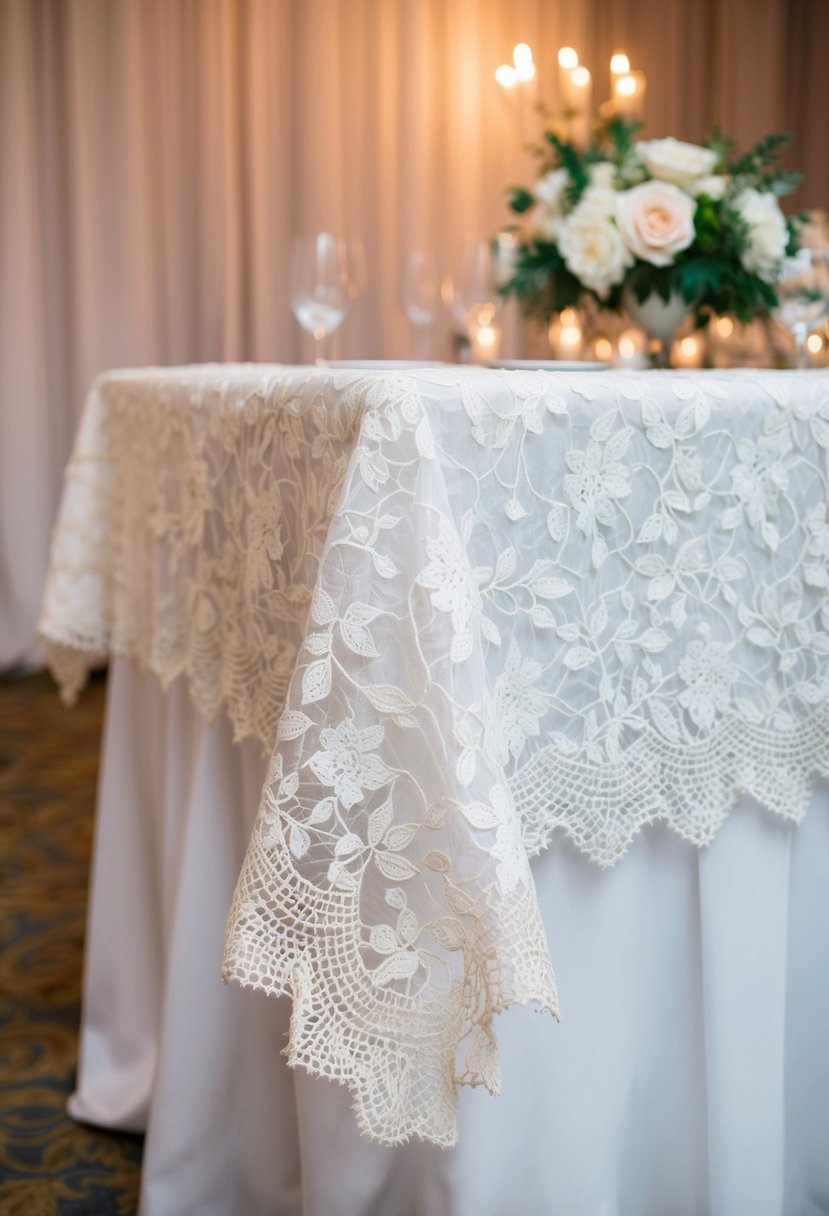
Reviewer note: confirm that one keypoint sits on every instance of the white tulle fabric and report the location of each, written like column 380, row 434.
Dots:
column 471, row 608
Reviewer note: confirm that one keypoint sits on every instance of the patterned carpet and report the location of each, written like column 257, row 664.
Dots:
column 49, row 1166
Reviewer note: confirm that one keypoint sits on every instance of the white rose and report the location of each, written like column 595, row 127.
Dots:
column 656, row 220
column 549, row 190
column 601, row 199
column 547, row 224
column 591, row 244
column 550, row 195
column 768, row 235
column 602, row 174
column 671, row 160
column 714, row 186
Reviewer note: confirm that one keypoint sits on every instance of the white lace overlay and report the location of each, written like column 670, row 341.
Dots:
column 594, row 600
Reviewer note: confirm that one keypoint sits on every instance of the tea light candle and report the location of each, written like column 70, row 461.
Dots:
column 565, row 335
column 687, row 352
column 484, row 340
column 632, row 349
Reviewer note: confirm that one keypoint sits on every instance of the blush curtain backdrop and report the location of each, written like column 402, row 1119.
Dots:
column 157, row 156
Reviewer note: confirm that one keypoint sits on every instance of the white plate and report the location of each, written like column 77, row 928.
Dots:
column 381, row 365
column 547, row 365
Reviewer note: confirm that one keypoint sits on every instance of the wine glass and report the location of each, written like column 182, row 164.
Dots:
column 322, row 286
column 803, row 295
column 421, row 297
column 474, row 292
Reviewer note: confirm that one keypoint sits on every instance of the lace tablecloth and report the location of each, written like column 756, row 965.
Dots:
column 462, row 609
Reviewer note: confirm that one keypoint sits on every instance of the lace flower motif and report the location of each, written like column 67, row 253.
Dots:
column 709, row 675
column 593, row 485
column 449, row 578
column 346, row 762
column 265, row 542
column 760, row 477
column 518, row 704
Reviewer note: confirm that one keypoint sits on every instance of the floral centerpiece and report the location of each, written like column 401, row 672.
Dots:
column 627, row 222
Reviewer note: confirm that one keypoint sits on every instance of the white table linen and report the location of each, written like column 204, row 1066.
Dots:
column 535, row 602
column 690, row 1072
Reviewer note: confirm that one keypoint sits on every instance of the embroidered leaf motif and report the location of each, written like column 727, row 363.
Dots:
column 387, row 699
column 298, row 840
column 395, row 867
column 292, row 724
column 316, row 681
column 399, row 966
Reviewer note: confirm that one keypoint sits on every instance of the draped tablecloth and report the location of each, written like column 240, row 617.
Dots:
column 461, row 609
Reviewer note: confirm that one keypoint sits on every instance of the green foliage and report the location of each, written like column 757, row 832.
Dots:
column 520, row 199
column 569, row 158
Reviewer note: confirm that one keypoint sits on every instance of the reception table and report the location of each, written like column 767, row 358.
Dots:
column 433, row 623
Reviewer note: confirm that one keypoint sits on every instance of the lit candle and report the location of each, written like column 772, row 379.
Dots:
column 567, row 60
column 582, row 105
column 629, row 96
column 565, row 335
column 522, row 57
column 484, row 341
column 687, row 352
column 602, row 349
column 632, row 349
column 506, row 75
column 619, row 66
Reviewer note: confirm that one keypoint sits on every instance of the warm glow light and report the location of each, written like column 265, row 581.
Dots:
column 570, row 335
column 527, row 72
column 619, row 63
column 603, row 349
column 486, row 336
column 689, row 347
column 814, row 344
column 627, row 348
column 522, row 56
column 567, row 58
column 506, row 75
column 724, row 327
column 580, row 76
column 626, row 86
column 568, row 316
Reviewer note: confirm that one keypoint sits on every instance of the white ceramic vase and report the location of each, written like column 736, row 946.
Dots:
column 659, row 318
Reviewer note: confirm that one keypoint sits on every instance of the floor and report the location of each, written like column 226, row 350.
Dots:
column 49, row 1166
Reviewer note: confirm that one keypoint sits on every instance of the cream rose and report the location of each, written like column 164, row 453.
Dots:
column 656, row 221
column 550, row 196
column 603, row 174
column 591, row 244
column 714, row 186
column 671, row 160
column 768, row 235
column 549, row 190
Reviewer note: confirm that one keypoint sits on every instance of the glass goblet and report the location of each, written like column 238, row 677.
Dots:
column 803, row 296
column 321, row 287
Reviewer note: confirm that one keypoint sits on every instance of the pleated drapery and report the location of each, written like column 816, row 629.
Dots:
column 156, row 156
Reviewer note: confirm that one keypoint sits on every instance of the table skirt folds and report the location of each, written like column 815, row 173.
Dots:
column 690, row 1073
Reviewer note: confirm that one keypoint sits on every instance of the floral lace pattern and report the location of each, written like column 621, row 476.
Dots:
column 471, row 608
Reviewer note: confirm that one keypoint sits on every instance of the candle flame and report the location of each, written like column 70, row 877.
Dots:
column 580, row 76
column 567, row 58
column 619, row 63
column 506, row 75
